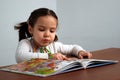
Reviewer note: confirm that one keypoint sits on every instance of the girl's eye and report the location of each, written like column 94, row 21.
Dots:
column 52, row 31
column 41, row 29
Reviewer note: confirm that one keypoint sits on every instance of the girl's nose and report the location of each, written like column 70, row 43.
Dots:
column 47, row 34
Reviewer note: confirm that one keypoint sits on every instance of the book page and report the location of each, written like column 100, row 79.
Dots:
column 86, row 63
column 67, row 65
column 40, row 67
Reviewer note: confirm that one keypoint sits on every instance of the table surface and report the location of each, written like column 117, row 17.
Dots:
column 108, row 72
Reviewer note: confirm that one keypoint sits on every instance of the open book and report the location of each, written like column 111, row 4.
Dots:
column 43, row 68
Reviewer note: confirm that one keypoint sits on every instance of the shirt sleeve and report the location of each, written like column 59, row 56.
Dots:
column 25, row 52
column 68, row 49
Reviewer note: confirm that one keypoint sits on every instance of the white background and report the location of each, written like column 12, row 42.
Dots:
column 93, row 24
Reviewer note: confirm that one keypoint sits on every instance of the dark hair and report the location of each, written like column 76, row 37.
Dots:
column 23, row 26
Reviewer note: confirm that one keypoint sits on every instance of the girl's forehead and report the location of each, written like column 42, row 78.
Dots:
column 47, row 20
column 48, row 17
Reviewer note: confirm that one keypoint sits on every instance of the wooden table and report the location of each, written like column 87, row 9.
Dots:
column 108, row 72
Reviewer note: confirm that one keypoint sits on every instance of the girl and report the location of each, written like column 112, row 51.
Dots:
column 38, row 38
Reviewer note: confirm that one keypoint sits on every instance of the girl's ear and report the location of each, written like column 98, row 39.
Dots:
column 30, row 29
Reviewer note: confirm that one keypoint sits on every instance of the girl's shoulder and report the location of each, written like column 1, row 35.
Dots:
column 25, row 41
column 57, row 44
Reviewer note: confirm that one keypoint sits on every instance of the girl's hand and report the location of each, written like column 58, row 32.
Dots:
column 59, row 56
column 84, row 54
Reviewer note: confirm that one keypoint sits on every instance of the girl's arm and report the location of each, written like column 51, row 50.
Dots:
column 25, row 52
column 75, row 50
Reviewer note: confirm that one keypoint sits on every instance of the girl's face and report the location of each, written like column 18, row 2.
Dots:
column 44, row 30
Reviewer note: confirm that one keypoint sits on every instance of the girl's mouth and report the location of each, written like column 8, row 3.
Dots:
column 45, row 40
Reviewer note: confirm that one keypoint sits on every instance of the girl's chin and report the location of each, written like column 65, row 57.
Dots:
column 43, row 45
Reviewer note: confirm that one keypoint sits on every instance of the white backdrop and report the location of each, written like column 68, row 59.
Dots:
column 93, row 24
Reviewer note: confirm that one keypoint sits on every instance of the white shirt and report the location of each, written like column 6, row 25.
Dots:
column 25, row 50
